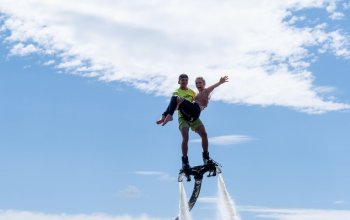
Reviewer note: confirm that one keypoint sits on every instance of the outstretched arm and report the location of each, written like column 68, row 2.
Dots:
column 221, row 81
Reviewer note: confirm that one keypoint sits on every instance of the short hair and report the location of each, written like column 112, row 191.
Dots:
column 200, row 78
column 183, row 76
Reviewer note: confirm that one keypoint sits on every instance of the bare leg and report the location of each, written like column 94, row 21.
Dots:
column 202, row 132
column 184, row 144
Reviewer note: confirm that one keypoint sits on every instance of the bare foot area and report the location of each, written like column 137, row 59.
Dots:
column 161, row 120
column 167, row 119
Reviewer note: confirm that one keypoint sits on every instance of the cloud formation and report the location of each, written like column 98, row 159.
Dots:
column 260, row 212
column 130, row 192
column 297, row 214
column 226, row 139
column 21, row 215
column 146, row 44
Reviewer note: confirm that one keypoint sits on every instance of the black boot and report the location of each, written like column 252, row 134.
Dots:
column 206, row 158
column 185, row 163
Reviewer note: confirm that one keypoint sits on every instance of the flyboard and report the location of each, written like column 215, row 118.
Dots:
column 197, row 172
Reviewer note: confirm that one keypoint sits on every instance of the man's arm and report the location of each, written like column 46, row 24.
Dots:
column 221, row 81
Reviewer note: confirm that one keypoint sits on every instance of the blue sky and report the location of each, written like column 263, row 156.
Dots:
column 82, row 84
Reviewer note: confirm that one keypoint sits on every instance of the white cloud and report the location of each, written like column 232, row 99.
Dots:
column 23, row 50
column 332, row 10
column 157, row 174
column 130, row 192
column 337, row 16
column 49, row 62
column 264, row 213
column 226, row 139
column 339, row 202
column 297, row 214
column 26, row 215
column 148, row 43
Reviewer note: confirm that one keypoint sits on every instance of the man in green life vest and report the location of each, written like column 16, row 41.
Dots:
column 184, row 126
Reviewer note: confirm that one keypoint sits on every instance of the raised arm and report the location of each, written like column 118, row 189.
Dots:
column 221, row 81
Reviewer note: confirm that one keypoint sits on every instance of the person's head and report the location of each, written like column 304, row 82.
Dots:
column 183, row 80
column 200, row 83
